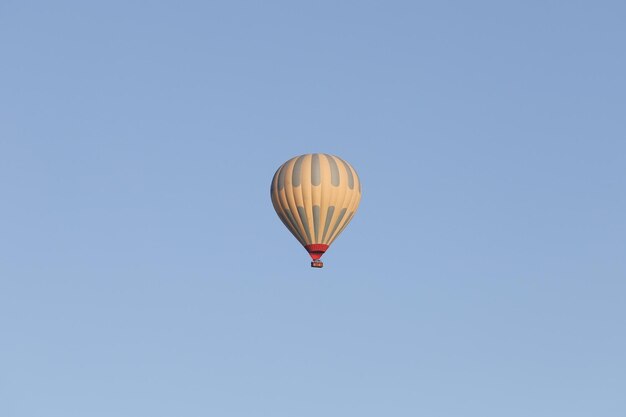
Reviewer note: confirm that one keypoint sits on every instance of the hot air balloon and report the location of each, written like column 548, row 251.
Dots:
column 316, row 196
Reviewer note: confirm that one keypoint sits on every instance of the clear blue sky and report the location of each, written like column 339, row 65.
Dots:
column 143, row 271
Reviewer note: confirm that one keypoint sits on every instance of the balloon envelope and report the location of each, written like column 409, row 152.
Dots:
column 316, row 196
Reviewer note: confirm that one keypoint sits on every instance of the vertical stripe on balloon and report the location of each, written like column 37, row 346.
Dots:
column 293, row 221
column 316, row 222
column 334, row 170
column 281, row 177
column 291, row 227
column 349, row 171
column 297, row 171
column 305, row 223
column 316, row 177
column 345, row 223
column 341, row 214
column 329, row 216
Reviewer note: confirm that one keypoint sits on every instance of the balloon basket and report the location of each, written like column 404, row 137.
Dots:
column 317, row 264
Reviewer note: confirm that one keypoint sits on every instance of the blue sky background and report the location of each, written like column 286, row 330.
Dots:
column 143, row 271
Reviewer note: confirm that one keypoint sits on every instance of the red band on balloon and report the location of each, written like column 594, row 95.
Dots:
column 316, row 250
